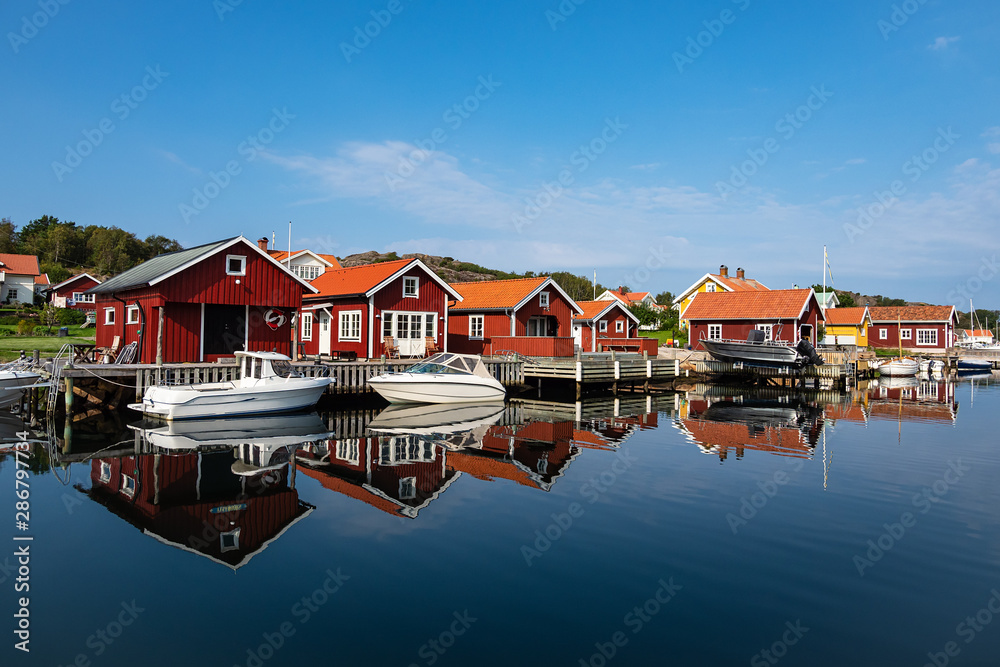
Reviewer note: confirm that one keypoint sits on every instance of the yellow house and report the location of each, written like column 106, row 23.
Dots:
column 847, row 326
column 716, row 282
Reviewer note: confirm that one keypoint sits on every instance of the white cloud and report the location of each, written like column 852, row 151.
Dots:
column 992, row 133
column 942, row 43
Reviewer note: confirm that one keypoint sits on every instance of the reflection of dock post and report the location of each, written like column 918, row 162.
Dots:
column 291, row 469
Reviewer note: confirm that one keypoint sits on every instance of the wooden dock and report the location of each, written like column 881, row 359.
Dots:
column 834, row 374
column 612, row 370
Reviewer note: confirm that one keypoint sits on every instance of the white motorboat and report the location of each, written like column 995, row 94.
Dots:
column 264, row 430
column 931, row 365
column 900, row 366
column 445, row 377
column 267, row 383
column 14, row 379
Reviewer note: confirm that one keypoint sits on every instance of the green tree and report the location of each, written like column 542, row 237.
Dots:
column 577, row 287
column 646, row 315
column 158, row 245
column 665, row 298
column 8, row 236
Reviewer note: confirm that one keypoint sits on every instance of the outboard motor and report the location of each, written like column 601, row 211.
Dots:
column 806, row 349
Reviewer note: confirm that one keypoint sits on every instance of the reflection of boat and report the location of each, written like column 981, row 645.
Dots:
column 421, row 418
column 898, row 382
column 974, row 365
column 441, row 378
column 900, row 366
column 267, row 430
column 267, row 384
column 757, row 351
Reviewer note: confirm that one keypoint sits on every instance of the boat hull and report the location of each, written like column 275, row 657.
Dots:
column 759, row 354
column 228, row 400
column 899, row 367
column 433, row 388
column 974, row 366
column 13, row 384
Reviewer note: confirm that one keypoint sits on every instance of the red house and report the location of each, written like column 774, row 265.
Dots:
column 916, row 328
column 356, row 308
column 71, row 293
column 201, row 304
column 610, row 325
column 784, row 315
column 533, row 316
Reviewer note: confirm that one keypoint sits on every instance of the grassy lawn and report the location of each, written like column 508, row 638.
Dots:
column 661, row 336
column 11, row 346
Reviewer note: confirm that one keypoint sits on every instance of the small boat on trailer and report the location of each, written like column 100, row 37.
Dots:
column 267, row 384
column 756, row 351
column 445, row 377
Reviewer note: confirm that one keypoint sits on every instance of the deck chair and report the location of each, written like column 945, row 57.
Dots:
column 391, row 349
column 106, row 355
column 127, row 355
column 430, row 346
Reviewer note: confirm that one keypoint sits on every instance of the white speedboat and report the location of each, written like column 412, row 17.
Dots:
column 931, row 365
column 14, row 379
column 445, row 377
column 901, row 366
column 267, row 383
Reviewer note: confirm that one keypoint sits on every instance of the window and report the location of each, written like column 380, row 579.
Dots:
column 105, row 472
column 430, row 320
column 307, row 272
column 927, row 337
column 602, row 326
column 109, row 315
column 80, row 297
column 715, row 332
column 543, row 299
column 387, row 324
column 411, row 287
column 128, row 486
column 883, row 333
column 307, row 326
column 132, row 315
column 12, row 294
column 229, row 541
column 619, row 326
column 476, row 326
column 350, row 325
column 906, row 334
column 768, row 330
column 408, row 488
column 537, row 326
column 710, row 287
column 347, row 450
column 236, row 265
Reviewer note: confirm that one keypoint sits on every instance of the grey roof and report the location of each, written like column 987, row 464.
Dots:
column 150, row 270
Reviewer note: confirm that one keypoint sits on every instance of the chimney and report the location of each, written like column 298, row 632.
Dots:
column 741, row 274
column 724, row 271
column 262, row 243
column 621, row 289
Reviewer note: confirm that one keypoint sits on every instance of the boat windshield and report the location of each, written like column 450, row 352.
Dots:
column 283, row 369
column 441, row 363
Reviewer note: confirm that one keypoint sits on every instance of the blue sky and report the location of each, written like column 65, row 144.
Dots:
column 649, row 141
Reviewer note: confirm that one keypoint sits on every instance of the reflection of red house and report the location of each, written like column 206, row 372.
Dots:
column 532, row 316
column 399, row 475
column 356, row 308
column 533, row 454
column 785, row 315
column 195, row 502
column 909, row 399
column 201, row 304
column 919, row 328
column 70, row 292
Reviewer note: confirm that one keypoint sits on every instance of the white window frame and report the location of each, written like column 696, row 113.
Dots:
column 924, row 337
column 234, row 540
column 709, row 287
column 768, row 330
column 128, row 486
column 242, row 271
column 131, row 311
column 409, row 281
column 620, row 326
column 351, row 317
column 348, row 451
column 105, row 472
column 543, row 299
column 477, row 324
column 906, row 334
column 307, row 326
column 307, row 272
column 407, row 488
column 602, row 326
column 109, row 315
column 714, row 332
column 12, row 294
column 883, row 333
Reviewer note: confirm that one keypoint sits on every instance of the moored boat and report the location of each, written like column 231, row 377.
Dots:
column 267, row 384
column 968, row 365
column 899, row 366
column 445, row 377
column 931, row 365
column 757, row 351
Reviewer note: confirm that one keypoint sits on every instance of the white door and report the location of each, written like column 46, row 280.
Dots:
column 324, row 332
column 410, row 334
column 578, row 335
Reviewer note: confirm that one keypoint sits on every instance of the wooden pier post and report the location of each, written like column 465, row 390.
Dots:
column 159, row 337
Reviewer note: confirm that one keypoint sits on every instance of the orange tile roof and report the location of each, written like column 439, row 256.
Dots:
column 722, row 436
column 42, row 279
column 911, row 313
column 22, row 265
column 845, row 316
column 495, row 294
column 488, row 468
column 629, row 297
column 356, row 279
column 282, row 254
column 738, row 284
column 978, row 332
column 592, row 309
column 785, row 304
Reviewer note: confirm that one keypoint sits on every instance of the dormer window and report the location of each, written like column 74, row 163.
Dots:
column 543, row 299
column 411, row 287
column 236, row 265
column 710, row 287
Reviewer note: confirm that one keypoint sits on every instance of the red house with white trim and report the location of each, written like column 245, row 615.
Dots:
column 71, row 293
column 785, row 315
column 201, row 304
column 610, row 325
column 533, row 316
column 354, row 309
column 915, row 328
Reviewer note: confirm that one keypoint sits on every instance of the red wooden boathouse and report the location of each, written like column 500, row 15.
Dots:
column 201, row 304
column 784, row 315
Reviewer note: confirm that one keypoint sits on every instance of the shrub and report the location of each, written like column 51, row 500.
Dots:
column 25, row 328
column 70, row 316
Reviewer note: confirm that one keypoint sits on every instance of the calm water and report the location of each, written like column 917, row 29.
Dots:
column 698, row 529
